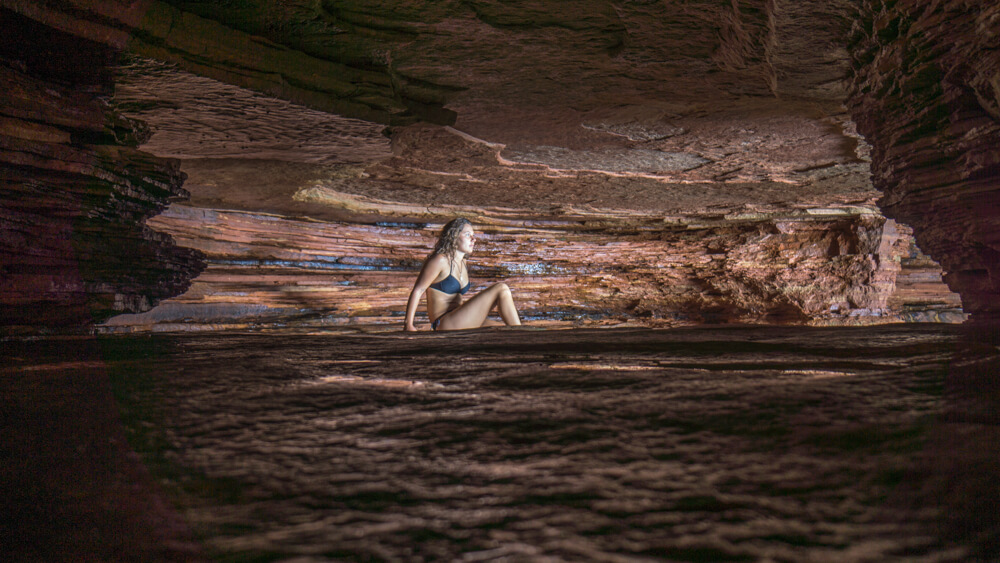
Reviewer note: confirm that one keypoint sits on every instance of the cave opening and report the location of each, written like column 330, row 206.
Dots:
column 754, row 245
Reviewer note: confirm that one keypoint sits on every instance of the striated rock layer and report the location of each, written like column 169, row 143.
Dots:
column 833, row 266
column 711, row 92
column 926, row 94
column 76, row 191
column 310, row 219
column 697, row 155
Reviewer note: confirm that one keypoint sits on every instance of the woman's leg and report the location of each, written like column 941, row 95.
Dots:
column 473, row 313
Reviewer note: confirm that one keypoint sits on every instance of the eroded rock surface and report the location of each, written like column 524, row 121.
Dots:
column 926, row 93
column 723, row 444
column 841, row 267
column 313, row 221
column 76, row 191
column 705, row 109
column 489, row 62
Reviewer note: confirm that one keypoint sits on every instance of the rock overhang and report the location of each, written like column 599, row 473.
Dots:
column 624, row 122
column 627, row 117
column 235, row 143
column 730, row 92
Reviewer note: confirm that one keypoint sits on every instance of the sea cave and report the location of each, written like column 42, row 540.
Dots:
column 754, row 245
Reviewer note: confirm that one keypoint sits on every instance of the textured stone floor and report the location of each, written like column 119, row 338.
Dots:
column 701, row 444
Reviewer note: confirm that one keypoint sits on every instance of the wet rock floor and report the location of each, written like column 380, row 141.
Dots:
column 701, row 444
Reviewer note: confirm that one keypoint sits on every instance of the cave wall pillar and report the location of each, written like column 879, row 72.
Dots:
column 74, row 247
column 926, row 94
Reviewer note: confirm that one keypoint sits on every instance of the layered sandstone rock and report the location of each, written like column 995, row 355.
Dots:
column 74, row 245
column 828, row 267
column 926, row 94
column 309, row 219
column 705, row 142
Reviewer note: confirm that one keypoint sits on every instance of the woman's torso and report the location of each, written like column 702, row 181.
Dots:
column 440, row 300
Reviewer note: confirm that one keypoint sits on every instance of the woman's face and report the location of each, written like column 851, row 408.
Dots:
column 466, row 239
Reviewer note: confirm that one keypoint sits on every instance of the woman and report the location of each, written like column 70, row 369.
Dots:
column 442, row 279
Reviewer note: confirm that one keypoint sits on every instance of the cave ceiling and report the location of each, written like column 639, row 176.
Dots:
column 535, row 108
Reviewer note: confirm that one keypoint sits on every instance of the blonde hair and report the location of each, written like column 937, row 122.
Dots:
column 447, row 243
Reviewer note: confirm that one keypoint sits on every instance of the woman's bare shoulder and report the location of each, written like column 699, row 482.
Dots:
column 436, row 263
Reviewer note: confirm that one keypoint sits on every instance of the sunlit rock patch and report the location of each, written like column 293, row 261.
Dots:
column 633, row 161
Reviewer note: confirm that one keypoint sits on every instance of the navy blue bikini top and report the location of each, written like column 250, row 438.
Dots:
column 451, row 285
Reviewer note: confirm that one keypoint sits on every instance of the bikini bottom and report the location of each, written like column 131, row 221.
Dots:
column 437, row 322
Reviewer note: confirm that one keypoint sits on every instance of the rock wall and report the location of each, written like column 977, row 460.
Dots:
column 833, row 268
column 926, row 95
column 74, row 248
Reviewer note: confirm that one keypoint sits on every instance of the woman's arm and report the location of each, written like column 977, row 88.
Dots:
column 431, row 270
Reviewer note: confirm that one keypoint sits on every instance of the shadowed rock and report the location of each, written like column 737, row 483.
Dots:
column 76, row 193
column 926, row 93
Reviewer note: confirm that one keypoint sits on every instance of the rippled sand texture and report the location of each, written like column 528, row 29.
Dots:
column 709, row 444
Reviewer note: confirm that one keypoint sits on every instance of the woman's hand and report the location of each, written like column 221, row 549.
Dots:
column 410, row 328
